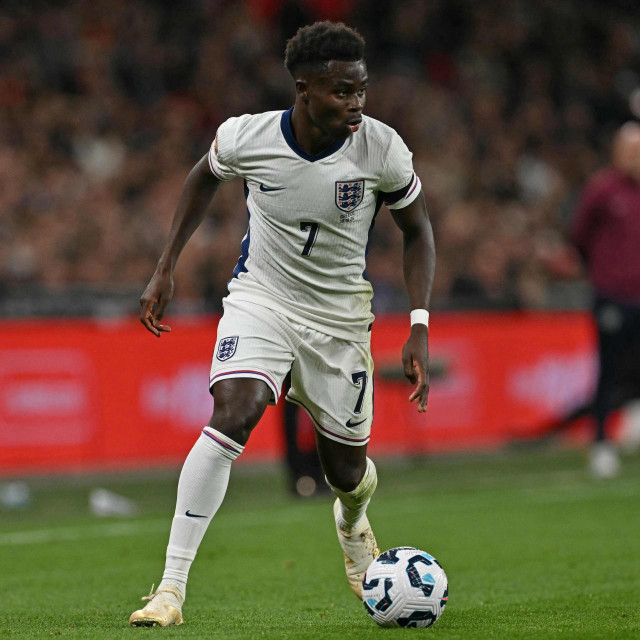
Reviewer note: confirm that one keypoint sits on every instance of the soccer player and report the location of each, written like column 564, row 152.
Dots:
column 315, row 177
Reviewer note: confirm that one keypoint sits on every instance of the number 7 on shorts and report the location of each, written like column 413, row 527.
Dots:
column 360, row 380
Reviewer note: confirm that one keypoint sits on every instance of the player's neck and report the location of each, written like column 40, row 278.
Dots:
column 308, row 135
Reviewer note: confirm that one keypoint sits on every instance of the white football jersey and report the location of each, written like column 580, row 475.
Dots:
column 310, row 216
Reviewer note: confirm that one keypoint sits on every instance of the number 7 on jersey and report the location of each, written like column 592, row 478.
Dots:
column 312, row 227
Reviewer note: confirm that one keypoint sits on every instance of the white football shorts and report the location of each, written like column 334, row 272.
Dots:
column 331, row 378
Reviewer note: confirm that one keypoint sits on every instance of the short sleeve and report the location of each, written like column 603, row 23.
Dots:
column 222, row 154
column 399, row 182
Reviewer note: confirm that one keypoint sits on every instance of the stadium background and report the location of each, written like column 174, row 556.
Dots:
column 507, row 106
column 104, row 106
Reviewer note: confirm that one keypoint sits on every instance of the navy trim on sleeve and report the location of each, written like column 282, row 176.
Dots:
column 396, row 196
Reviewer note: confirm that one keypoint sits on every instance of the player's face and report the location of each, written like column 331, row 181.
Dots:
column 337, row 97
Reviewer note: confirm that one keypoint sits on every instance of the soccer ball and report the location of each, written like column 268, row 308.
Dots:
column 405, row 587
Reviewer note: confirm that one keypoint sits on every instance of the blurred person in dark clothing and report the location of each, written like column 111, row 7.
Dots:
column 306, row 477
column 606, row 231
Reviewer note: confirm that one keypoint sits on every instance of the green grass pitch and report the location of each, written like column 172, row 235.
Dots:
column 533, row 548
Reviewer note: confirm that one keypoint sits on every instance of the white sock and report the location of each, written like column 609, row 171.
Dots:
column 353, row 504
column 201, row 488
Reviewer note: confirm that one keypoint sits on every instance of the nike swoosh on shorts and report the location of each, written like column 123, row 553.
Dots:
column 350, row 424
column 267, row 189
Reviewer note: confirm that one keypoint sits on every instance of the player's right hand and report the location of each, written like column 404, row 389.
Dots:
column 154, row 301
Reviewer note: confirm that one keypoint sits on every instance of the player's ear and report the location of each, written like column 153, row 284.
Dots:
column 302, row 90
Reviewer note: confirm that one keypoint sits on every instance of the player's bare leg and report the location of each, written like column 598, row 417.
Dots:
column 352, row 476
column 239, row 404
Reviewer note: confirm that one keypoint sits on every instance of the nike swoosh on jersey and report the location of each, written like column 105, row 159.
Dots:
column 354, row 424
column 193, row 515
column 267, row 189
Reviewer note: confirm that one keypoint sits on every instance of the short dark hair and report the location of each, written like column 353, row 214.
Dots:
column 315, row 45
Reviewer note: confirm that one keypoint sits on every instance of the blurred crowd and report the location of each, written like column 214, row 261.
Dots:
column 105, row 105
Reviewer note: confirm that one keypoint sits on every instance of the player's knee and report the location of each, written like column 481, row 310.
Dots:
column 356, row 489
column 346, row 478
column 237, row 420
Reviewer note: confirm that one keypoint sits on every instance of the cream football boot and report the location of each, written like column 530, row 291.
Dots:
column 163, row 610
column 360, row 549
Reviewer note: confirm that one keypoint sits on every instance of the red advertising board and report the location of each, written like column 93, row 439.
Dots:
column 84, row 395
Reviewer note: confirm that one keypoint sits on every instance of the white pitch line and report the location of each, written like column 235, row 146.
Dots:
column 159, row 525
column 66, row 534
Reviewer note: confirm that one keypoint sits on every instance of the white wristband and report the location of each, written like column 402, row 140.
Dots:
column 419, row 316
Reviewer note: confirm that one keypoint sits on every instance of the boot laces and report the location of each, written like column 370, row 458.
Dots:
column 151, row 595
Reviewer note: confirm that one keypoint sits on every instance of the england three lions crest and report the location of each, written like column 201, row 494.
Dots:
column 226, row 348
column 349, row 194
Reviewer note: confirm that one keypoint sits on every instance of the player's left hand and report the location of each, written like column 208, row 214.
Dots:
column 415, row 360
